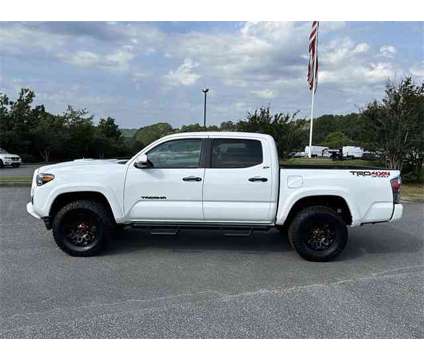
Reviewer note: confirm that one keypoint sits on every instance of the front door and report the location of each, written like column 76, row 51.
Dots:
column 238, row 183
column 169, row 190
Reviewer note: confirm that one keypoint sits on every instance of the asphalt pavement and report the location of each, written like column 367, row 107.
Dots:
column 203, row 285
column 23, row 170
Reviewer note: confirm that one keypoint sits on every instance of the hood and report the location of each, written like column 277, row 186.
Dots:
column 9, row 155
column 86, row 164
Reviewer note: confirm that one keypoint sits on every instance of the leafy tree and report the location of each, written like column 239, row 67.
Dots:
column 49, row 137
column 81, row 131
column 108, row 141
column 228, row 126
column 148, row 134
column 336, row 140
column 396, row 123
column 287, row 132
column 197, row 128
column 109, row 129
column 353, row 126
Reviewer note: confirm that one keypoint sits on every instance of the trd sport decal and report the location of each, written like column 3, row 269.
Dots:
column 374, row 173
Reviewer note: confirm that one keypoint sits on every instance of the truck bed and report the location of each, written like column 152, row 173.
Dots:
column 332, row 167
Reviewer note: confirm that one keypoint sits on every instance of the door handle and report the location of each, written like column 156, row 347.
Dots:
column 257, row 178
column 192, row 178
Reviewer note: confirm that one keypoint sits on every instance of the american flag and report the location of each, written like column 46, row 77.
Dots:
column 313, row 57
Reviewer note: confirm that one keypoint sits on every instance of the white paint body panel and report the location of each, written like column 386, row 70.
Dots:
column 369, row 198
column 228, row 195
column 183, row 199
column 223, row 195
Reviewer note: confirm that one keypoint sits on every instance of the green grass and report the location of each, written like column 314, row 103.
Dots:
column 412, row 192
column 15, row 180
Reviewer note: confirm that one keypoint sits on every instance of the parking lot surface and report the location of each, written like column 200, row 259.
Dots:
column 23, row 170
column 204, row 285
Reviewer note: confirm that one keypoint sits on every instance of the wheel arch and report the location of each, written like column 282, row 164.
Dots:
column 67, row 197
column 335, row 202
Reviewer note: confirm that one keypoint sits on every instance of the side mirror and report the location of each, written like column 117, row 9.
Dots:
column 142, row 162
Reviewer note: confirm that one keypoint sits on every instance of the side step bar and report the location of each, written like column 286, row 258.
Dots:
column 160, row 231
column 229, row 230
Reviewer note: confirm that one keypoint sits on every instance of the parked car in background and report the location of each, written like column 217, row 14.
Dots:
column 372, row 155
column 317, row 151
column 352, row 152
column 336, row 154
column 7, row 159
column 298, row 154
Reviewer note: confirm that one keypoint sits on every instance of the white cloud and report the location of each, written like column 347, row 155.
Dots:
column 245, row 64
column 361, row 48
column 418, row 70
column 82, row 58
column 265, row 93
column 356, row 75
column 388, row 51
column 17, row 39
column 118, row 60
column 184, row 74
column 257, row 51
column 104, row 45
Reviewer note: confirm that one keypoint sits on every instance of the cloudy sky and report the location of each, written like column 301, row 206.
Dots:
column 141, row 73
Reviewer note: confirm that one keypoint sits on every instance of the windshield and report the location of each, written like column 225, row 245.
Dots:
column 2, row 151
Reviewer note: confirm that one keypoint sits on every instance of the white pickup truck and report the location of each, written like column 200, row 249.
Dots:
column 226, row 180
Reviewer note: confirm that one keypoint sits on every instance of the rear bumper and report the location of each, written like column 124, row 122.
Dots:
column 397, row 212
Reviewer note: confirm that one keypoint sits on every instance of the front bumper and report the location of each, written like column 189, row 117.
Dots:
column 397, row 212
column 47, row 219
column 9, row 162
column 31, row 211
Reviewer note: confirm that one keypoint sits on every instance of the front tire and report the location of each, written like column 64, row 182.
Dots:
column 1, row 164
column 318, row 233
column 83, row 228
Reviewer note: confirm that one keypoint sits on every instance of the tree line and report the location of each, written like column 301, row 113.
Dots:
column 394, row 126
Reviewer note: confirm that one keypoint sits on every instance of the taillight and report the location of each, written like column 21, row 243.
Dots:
column 395, row 183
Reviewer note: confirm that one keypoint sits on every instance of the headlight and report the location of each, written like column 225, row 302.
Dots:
column 44, row 178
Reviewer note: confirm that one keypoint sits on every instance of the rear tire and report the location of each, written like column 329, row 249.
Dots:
column 318, row 233
column 83, row 228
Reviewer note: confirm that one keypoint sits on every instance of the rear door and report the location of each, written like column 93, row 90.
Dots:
column 238, row 181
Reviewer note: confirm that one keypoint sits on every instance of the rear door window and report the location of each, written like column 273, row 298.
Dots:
column 236, row 153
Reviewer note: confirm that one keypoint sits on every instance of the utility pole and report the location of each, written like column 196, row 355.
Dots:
column 204, row 91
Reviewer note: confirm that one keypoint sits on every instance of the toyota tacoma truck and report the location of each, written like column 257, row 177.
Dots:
column 226, row 180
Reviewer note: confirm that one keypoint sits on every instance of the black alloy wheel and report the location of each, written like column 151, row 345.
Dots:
column 83, row 227
column 318, row 233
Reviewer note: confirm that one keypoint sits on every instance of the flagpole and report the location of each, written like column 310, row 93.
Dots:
column 313, row 97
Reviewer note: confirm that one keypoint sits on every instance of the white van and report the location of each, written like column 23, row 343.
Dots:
column 353, row 152
column 317, row 151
